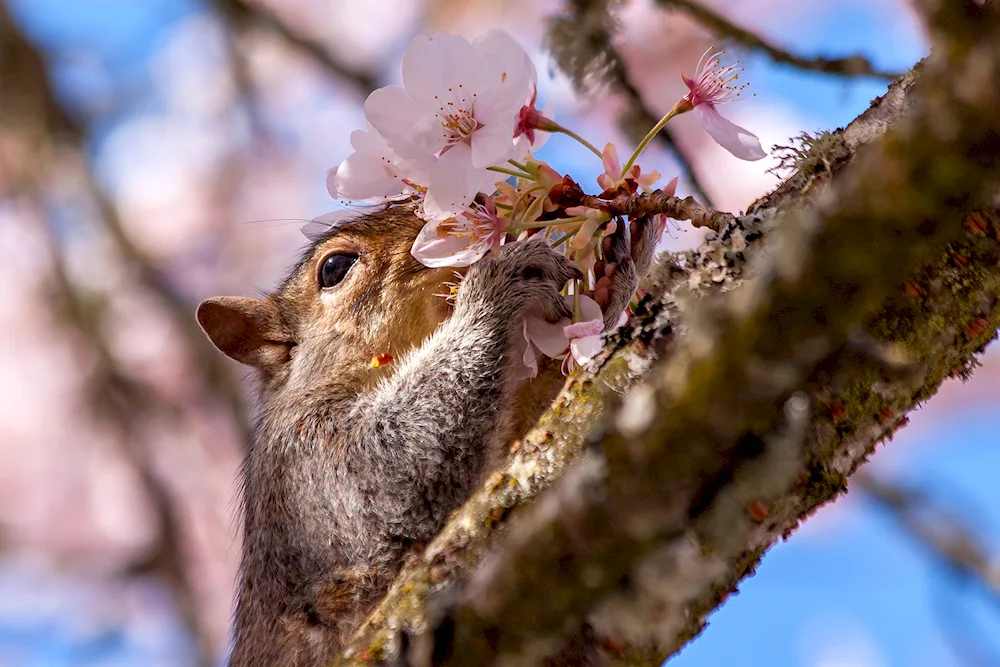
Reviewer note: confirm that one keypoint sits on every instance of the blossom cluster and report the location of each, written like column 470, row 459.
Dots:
column 459, row 136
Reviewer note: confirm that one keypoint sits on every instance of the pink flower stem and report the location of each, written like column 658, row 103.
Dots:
column 676, row 111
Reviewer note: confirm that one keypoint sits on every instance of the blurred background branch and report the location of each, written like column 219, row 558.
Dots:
column 716, row 23
column 941, row 532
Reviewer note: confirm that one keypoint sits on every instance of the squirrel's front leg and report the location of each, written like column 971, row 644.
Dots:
column 424, row 435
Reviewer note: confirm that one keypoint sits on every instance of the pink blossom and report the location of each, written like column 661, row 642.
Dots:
column 462, row 240
column 374, row 172
column 710, row 87
column 584, row 337
column 457, row 106
column 575, row 342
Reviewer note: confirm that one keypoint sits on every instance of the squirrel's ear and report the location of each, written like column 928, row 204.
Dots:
column 247, row 330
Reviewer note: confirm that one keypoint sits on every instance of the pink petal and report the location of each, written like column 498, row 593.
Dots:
column 730, row 136
column 523, row 348
column 508, row 75
column 612, row 165
column 435, row 248
column 317, row 227
column 586, row 233
column 432, row 65
column 671, row 188
column 453, row 184
column 365, row 176
column 585, row 328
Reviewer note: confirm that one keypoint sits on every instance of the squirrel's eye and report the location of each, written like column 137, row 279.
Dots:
column 334, row 268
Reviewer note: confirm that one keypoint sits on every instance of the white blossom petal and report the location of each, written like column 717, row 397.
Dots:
column 331, row 182
column 454, row 183
column 433, row 65
column 492, row 145
column 508, row 71
column 523, row 348
column 317, row 227
column 548, row 337
column 394, row 113
column 586, row 348
column 732, row 137
column 435, row 247
column 371, row 173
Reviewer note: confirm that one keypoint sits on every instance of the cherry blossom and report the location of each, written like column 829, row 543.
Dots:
column 574, row 342
column 458, row 105
column 585, row 341
column 374, row 172
column 710, row 87
column 462, row 240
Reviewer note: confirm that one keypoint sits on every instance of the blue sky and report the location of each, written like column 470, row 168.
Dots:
column 857, row 582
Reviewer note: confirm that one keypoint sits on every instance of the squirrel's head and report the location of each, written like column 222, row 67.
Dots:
column 356, row 294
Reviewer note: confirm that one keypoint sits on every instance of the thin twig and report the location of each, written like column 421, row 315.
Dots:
column 650, row 203
column 856, row 65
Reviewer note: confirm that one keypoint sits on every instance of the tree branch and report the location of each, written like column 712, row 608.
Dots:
column 855, row 65
column 656, row 510
column 650, row 203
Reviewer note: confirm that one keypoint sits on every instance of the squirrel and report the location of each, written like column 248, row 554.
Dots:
column 350, row 465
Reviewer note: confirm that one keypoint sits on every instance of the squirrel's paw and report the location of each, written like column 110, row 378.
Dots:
column 526, row 274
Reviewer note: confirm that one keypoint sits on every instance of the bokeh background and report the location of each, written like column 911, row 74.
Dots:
column 157, row 152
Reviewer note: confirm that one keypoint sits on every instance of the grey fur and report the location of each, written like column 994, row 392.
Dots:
column 338, row 487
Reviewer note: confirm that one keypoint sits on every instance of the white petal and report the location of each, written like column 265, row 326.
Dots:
column 508, row 72
column 331, row 182
column 586, row 348
column 589, row 310
column 528, row 354
column 584, row 328
column 492, row 145
column 366, row 176
column 317, row 227
column 453, row 183
column 432, row 65
column 549, row 337
column 394, row 114
column 732, row 137
column 436, row 249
